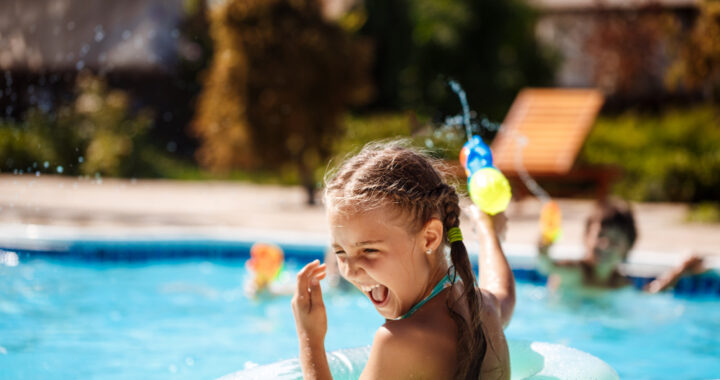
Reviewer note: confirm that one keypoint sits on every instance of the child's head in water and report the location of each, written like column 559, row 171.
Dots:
column 610, row 232
column 390, row 211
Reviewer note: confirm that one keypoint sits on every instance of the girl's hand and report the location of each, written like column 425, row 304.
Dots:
column 307, row 304
column 487, row 224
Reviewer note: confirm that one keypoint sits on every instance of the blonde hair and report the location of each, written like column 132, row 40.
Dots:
column 394, row 174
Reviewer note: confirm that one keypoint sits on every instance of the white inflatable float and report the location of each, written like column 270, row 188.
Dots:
column 528, row 360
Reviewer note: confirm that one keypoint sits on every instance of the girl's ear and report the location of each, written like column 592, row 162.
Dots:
column 432, row 235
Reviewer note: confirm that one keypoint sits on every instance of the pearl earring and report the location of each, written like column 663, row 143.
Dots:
column 429, row 251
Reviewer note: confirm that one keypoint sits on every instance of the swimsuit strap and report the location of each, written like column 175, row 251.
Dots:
column 441, row 285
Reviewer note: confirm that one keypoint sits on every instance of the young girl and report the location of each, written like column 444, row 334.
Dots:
column 394, row 222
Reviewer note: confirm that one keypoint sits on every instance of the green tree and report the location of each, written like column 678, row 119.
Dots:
column 280, row 79
column 488, row 46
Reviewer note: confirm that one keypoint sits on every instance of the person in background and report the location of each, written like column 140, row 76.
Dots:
column 610, row 233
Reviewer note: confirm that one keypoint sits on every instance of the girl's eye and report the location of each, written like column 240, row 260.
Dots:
column 370, row 250
column 339, row 252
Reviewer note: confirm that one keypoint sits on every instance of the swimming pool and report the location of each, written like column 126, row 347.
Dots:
column 72, row 316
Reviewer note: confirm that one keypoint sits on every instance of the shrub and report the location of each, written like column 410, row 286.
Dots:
column 671, row 157
column 95, row 134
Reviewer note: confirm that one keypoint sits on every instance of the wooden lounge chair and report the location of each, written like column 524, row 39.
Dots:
column 542, row 134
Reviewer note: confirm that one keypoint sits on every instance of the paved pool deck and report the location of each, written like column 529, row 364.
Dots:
column 110, row 207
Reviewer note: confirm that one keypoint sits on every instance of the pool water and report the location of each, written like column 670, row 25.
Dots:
column 190, row 319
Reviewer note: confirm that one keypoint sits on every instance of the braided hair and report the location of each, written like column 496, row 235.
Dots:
column 394, row 174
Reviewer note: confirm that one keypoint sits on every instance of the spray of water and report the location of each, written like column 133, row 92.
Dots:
column 521, row 141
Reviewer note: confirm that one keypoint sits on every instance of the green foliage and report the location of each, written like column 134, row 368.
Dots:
column 361, row 129
column 96, row 134
column 671, row 157
column 488, row 46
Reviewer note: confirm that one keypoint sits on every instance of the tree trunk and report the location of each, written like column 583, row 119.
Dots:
column 308, row 182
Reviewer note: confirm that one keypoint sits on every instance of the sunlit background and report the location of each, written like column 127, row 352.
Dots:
column 165, row 119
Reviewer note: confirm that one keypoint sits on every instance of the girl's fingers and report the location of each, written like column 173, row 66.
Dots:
column 319, row 270
column 301, row 293
column 316, row 299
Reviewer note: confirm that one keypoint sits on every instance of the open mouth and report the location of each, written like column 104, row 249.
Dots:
column 378, row 294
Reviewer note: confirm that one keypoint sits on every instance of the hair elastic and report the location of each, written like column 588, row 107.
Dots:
column 454, row 235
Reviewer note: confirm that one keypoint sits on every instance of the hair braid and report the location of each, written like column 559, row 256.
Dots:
column 472, row 345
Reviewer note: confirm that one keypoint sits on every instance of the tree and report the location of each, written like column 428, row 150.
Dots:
column 489, row 46
column 280, row 78
column 698, row 65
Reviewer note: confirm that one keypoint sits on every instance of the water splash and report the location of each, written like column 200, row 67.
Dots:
column 521, row 141
column 466, row 109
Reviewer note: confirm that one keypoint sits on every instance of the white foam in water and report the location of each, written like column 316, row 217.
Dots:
column 9, row 259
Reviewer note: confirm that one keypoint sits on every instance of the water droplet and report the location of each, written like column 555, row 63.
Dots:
column 79, row 65
column 171, row 147
column 37, row 173
column 34, row 165
column 99, row 35
column 85, row 48
column 46, row 164
column 60, row 169
column 429, row 143
column 172, row 368
column 189, row 361
column 81, row 159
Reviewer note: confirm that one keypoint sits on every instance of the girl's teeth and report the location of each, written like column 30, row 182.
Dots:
column 368, row 288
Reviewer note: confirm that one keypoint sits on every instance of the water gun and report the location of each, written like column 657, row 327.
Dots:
column 550, row 222
column 488, row 187
column 265, row 264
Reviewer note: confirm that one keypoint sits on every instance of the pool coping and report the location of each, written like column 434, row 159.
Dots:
column 39, row 237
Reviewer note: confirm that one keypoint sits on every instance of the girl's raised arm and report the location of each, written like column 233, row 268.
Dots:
column 495, row 275
column 311, row 322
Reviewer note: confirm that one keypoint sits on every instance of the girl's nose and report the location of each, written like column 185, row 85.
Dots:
column 353, row 269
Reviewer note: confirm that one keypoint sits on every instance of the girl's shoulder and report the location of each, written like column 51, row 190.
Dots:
column 399, row 352
column 418, row 347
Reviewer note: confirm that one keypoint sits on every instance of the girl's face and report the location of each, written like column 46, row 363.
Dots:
column 377, row 254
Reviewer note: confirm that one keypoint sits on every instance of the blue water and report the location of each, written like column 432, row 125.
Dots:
column 191, row 320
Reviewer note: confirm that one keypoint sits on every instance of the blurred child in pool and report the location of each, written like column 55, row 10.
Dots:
column 265, row 272
column 610, row 234
column 395, row 228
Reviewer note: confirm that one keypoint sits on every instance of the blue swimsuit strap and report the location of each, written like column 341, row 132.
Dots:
column 441, row 285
